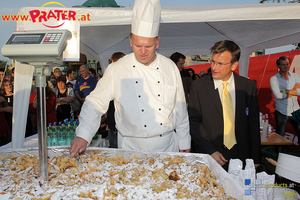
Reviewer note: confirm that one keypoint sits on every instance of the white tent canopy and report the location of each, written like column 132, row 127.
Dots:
column 191, row 30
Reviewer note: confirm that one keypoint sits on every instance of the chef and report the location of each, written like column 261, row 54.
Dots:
column 150, row 107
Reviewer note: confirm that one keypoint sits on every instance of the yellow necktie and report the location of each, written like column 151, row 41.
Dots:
column 228, row 118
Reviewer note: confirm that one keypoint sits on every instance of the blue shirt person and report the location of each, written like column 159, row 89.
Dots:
column 85, row 84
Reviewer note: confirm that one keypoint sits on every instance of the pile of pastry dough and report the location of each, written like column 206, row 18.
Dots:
column 97, row 177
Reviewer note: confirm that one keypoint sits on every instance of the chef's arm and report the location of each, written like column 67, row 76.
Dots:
column 94, row 106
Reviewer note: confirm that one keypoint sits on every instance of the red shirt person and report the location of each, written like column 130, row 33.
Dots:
column 50, row 106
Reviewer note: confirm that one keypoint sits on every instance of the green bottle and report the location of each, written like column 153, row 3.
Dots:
column 61, row 136
column 68, row 135
column 54, row 137
column 49, row 135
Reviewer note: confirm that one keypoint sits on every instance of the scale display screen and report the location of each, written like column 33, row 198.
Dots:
column 37, row 45
column 26, row 38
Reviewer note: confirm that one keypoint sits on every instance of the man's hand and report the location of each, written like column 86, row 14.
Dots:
column 293, row 92
column 219, row 158
column 185, row 150
column 78, row 145
column 296, row 86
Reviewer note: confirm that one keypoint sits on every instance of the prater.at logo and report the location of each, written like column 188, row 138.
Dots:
column 57, row 14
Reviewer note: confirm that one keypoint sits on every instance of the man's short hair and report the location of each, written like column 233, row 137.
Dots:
column 84, row 66
column 93, row 71
column 70, row 71
column 176, row 56
column 1, row 70
column 282, row 58
column 56, row 69
column 116, row 56
column 227, row 45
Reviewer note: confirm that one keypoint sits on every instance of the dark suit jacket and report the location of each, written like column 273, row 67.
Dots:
column 206, row 118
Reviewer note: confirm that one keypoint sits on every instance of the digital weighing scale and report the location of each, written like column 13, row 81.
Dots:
column 39, row 48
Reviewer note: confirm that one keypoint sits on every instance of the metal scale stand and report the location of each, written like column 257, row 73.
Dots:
column 39, row 48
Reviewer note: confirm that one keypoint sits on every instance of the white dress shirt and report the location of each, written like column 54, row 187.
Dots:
column 282, row 104
column 149, row 105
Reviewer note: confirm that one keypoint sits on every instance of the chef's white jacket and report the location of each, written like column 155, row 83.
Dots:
column 149, row 105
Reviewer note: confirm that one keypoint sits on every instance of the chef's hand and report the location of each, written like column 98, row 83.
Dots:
column 256, row 165
column 219, row 158
column 185, row 150
column 78, row 145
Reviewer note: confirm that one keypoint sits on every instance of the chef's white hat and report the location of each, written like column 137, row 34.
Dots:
column 146, row 18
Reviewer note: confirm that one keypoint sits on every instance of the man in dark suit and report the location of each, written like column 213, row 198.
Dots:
column 206, row 110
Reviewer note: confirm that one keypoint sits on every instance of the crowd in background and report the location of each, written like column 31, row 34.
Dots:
column 61, row 100
column 65, row 94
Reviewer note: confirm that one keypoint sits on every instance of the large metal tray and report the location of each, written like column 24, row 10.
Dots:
column 231, row 187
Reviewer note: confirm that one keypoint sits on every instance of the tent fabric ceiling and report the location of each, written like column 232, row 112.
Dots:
column 192, row 29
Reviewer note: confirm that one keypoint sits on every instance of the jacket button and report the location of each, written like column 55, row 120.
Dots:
column 139, row 96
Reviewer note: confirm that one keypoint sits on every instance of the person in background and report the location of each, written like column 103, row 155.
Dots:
column 85, row 84
column 209, row 70
column 5, row 131
column 1, row 74
column 53, row 82
column 223, row 110
column 71, row 77
column 50, row 107
column 111, row 123
column 197, row 76
column 64, row 98
column 179, row 60
column 98, row 76
column 92, row 72
column 9, row 77
column 150, row 107
column 285, row 87
column 57, row 72
column 7, row 93
column 192, row 73
column 202, row 73
column 13, row 76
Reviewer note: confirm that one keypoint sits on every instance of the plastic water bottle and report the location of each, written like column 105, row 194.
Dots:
column 73, row 132
column 68, row 135
column 54, row 137
column 61, row 136
column 49, row 135
column 265, row 132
